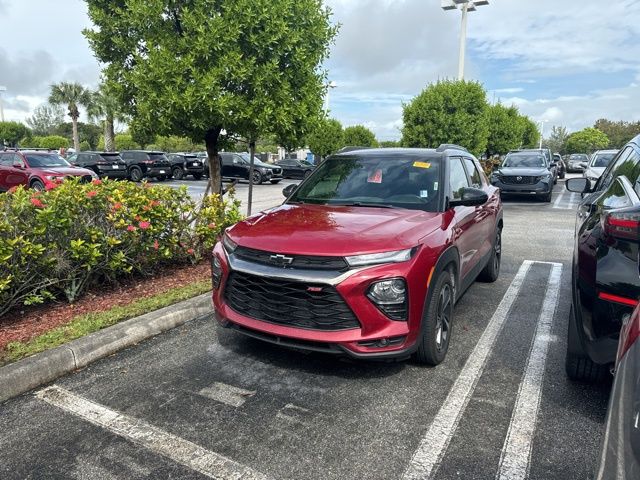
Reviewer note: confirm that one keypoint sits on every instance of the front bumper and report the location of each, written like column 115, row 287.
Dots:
column 540, row 188
column 377, row 337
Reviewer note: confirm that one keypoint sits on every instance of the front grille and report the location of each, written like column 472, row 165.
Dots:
column 287, row 302
column 520, row 180
column 305, row 262
column 277, row 171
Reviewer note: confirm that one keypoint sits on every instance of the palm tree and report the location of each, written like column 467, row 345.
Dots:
column 72, row 95
column 104, row 107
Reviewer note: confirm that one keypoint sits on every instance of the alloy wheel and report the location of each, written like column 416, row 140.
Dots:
column 443, row 320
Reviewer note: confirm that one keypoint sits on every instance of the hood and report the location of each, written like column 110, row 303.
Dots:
column 595, row 172
column 78, row 171
column 334, row 230
column 523, row 172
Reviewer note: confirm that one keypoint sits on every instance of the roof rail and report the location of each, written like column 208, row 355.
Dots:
column 450, row 146
column 352, row 148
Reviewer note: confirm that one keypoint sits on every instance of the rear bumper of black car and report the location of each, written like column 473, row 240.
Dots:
column 158, row 171
column 112, row 171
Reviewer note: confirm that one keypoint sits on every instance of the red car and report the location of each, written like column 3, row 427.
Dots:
column 35, row 168
column 366, row 257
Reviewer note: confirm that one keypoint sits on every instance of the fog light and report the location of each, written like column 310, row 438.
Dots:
column 390, row 296
column 216, row 272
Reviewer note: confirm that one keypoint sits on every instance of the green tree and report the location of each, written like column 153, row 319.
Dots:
column 87, row 132
column 447, row 112
column 200, row 67
column 123, row 141
column 587, row 140
column 12, row 132
column 326, row 138
column 557, row 141
column 530, row 133
column 105, row 108
column 45, row 119
column 619, row 133
column 359, row 136
column 53, row 142
column 73, row 95
column 390, row 144
column 505, row 129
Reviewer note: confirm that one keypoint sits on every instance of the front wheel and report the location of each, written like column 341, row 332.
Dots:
column 306, row 174
column 492, row 269
column 256, row 179
column 37, row 185
column 437, row 322
column 135, row 174
column 546, row 197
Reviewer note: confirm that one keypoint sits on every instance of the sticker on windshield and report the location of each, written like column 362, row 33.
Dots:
column 375, row 177
column 424, row 193
column 422, row 164
column 435, row 186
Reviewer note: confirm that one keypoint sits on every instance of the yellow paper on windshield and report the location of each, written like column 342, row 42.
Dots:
column 422, row 164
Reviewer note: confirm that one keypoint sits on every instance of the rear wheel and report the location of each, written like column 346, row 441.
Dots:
column 578, row 366
column 492, row 269
column 437, row 322
column 37, row 185
column 177, row 173
column 135, row 174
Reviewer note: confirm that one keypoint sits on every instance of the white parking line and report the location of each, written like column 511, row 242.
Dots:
column 572, row 201
column 175, row 448
column 516, row 452
column 427, row 457
column 559, row 199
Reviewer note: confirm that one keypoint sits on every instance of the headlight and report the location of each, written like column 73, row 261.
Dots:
column 228, row 244
column 94, row 174
column 390, row 296
column 376, row 258
column 216, row 272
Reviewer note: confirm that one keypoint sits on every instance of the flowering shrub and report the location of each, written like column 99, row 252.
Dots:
column 72, row 235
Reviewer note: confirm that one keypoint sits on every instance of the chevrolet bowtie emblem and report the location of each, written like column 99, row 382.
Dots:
column 281, row 260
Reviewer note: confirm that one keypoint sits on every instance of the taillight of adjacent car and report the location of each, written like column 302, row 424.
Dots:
column 622, row 223
column 629, row 333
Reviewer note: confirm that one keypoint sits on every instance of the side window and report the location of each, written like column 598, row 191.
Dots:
column 474, row 174
column 238, row 160
column 72, row 158
column 610, row 173
column 615, row 197
column 6, row 159
column 458, row 178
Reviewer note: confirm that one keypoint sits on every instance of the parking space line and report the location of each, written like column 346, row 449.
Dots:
column 427, row 457
column 556, row 204
column 232, row 396
column 175, row 448
column 572, row 200
column 516, row 452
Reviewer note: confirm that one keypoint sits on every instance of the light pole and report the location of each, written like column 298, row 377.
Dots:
column 466, row 6
column 329, row 86
column 2, row 89
column 541, row 132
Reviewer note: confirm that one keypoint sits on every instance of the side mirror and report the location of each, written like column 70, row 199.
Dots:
column 579, row 185
column 288, row 190
column 470, row 198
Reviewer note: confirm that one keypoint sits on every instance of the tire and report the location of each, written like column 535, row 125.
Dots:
column 562, row 175
column 177, row 173
column 546, row 197
column 257, row 178
column 197, row 176
column 578, row 366
column 135, row 174
column 275, row 182
column 437, row 322
column 37, row 185
column 306, row 174
column 491, row 271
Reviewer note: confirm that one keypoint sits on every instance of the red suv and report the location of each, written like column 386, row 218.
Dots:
column 366, row 257
column 35, row 168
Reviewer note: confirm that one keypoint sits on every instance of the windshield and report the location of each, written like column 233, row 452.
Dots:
column 579, row 158
column 602, row 160
column 304, row 162
column 39, row 160
column 524, row 161
column 157, row 156
column 247, row 157
column 384, row 181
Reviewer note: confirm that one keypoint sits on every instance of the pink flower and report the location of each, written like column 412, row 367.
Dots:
column 144, row 225
column 137, row 218
column 131, row 228
column 117, row 206
column 155, row 203
column 50, row 186
column 212, row 225
column 190, row 251
column 91, row 194
column 36, row 202
column 13, row 189
column 96, row 182
column 156, row 245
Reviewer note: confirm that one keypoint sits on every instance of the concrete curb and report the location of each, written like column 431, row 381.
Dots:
column 31, row 372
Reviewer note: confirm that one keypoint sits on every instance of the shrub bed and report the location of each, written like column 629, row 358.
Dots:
column 57, row 243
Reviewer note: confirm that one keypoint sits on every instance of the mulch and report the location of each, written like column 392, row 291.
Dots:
column 29, row 322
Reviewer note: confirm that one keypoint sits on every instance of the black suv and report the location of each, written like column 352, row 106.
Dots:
column 104, row 164
column 276, row 171
column 606, row 278
column 295, row 168
column 562, row 168
column 234, row 166
column 183, row 164
column 146, row 163
column 524, row 173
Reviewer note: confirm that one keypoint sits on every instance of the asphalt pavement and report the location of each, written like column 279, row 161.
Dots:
column 203, row 402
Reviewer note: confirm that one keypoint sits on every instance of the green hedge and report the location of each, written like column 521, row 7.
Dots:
column 59, row 242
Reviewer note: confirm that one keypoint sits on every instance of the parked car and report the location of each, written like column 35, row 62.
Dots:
column 549, row 160
column 183, row 164
column 295, row 168
column 366, row 257
column 276, row 171
column 524, row 173
column 562, row 169
column 146, row 163
column 234, row 166
column 577, row 162
column 104, row 164
column 606, row 279
column 35, row 169
column 597, row 163
column 620, row 452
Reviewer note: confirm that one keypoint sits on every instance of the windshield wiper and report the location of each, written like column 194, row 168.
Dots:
column 361, row 204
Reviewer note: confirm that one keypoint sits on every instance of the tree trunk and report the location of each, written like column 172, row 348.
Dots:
column 252, row 152
column 211, row 141
column 109, row 143
column 76, row 140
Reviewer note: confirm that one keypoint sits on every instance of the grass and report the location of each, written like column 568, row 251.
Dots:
column 91, row 322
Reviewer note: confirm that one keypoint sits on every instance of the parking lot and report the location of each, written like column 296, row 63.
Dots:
column 203, row 402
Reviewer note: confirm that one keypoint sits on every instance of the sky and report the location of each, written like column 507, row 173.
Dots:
column 564, row 62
